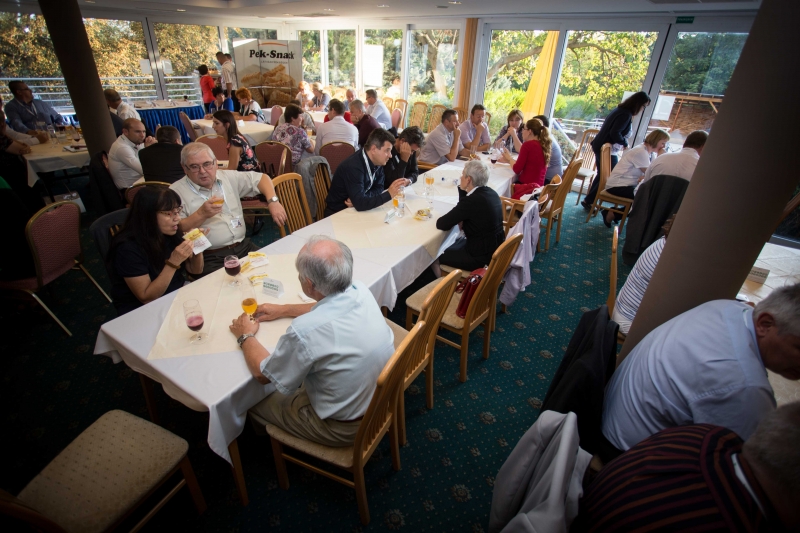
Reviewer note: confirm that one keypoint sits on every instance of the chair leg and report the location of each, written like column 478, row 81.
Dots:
column 361, row 495
column 280, row 464
column 429, row 382
column 401, row 418
column 462, row 377
column 624, row 218
column 194, row 487
column 580, row 191
column 547, row 238
column 99, row 288
column 409, row 318
column 539, row 243
column 49, row 312
column 487, row 333
column 558, row 229
column 394, row 441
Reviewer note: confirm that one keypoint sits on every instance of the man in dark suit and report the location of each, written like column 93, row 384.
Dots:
column 161, row 161
column 403, row 163
column 358, row 181
column 479, row 213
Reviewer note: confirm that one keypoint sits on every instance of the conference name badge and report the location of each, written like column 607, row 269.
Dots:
column 272, row 287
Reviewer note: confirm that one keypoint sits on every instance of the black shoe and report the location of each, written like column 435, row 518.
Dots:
column 603, row 213
column 585, row 205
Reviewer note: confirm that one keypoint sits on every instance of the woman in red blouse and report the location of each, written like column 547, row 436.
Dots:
column 207, row 85
column 534, row 156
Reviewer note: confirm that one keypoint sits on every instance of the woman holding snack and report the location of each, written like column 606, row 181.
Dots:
column 148, row 256
column 534, row 157
column 239, row 151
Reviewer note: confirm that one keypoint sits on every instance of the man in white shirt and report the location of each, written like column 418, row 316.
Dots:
column 337, row 129
column 474, row 132
column 680, row 164
column 210, row 199
column 118, row 107
column 443, row 144
column 123, row 156
column 378, row 110
column 324, row 367
column 705, row 366
column 228, row 78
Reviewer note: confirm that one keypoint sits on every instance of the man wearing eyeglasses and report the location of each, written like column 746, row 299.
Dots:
column 211, row 200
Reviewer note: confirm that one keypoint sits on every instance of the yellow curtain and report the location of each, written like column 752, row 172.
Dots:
column 535, row 98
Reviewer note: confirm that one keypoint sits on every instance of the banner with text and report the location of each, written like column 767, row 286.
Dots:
column 270, row 65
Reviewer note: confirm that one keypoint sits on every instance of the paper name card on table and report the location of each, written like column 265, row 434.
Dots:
column 257, row 279
column 199, row 240
column 758, row 275
column 390, row 214
column 258, row 259
column 272, row 287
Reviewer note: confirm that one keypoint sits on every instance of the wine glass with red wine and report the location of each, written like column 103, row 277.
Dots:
column 194, row 321
column 232, row 268
column 493, row 155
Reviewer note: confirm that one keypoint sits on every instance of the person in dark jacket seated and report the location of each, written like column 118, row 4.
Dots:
column 162, row 161
column 403, row 163
column 147, row 256
column 358, row 180
column 479, row 214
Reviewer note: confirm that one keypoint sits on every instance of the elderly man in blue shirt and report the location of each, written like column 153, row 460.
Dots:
column 23, row 111
column 705, row 366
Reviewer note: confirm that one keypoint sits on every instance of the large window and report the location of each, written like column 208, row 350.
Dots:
column 432, row 67
column 700, row 67
column 247, row 33
column 599, row 66
column 312, row 60
column 342, row 58
column 182, row 48
column 382, row 61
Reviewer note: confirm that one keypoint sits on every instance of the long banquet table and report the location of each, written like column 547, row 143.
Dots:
column 48, row 157
column 257, row 131
column 387, row 258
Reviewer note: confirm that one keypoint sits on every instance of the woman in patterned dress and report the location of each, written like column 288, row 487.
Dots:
column 292, row 133
column 239, row 149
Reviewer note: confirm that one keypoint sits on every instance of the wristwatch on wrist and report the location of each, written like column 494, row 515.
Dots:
column 272, row 200
column 243, row 338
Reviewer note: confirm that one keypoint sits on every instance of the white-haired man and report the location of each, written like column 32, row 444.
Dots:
column 705, row 366
column 324, row 367
column 211, row 199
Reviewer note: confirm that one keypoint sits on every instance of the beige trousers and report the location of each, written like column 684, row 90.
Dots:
column 294, row 414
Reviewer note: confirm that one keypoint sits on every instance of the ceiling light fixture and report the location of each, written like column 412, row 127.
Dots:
column 455, row 3
column 326, row 9
column 90, row 1
column 383, row 5
column 180, row 10
column 288, row 15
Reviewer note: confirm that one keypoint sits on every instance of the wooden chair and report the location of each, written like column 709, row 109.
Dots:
column 289, row 188
column 431, row 313
column 402, row 105
column 481, row 308
column 322, row 184
column 53, row 235
column 275, row 115
column 436, row 117
column 188, row 126
column 611, row 301
column 512, row 211
column 585, row 152
column 397, row 119
column 488, row 117
column 425, row 166
column 336, row 152
column 379, row 419
column 618, row 203
column 104, row 475
column 418, row 112
column 131, row 191
column 463, row 114
column 218, row 145
column 276, row 154
column 555, row 209
column 388, row 102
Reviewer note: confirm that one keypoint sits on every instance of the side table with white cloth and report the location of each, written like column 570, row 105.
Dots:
column 257, row 131
column 50, row 157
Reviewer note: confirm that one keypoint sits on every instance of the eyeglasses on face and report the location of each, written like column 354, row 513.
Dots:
column 174, row 213
column 208, row 165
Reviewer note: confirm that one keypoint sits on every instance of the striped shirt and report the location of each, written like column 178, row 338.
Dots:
column 630, row 297
column 680, row 479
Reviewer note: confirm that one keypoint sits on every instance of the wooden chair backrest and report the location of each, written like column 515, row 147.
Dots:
column 487, row 288
column 561, row 193
column 612, row 287
column 53, row 235
column 218, row 145
column 463, row 114
column 13, row 507
column 512, row 211
column 335, row 152
column 585, row 151
column 131, row 191
column 604, row 168
column 418, row 112
column 402, row 105
column 289, row 188
column 275, row 153
column 488, row 117
column 388, row 102
column 431, row 312
column 548, row 193
column 378, row 418
column 322, row 184
column 188, row 126
column 436, row 117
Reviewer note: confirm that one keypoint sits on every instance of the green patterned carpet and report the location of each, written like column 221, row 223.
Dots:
column 54, row 387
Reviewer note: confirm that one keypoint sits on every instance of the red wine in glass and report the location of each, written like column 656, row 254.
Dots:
column 232, row 268
column 195, row 323
column 493, row 158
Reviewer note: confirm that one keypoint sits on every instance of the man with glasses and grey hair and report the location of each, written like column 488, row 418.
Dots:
column 325, row 367
column 211, row 199
column 705, row 366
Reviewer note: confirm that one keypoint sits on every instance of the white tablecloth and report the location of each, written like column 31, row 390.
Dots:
column 255, row 130
column 318, row 116
column 49, row 158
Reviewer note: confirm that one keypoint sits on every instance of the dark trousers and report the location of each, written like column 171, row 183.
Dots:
column 457, row 256
column 592, row 194
column 625, row 192
column 214, row 260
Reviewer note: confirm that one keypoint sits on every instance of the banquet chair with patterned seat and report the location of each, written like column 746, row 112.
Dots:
column 481, row 309
column 53, row 235
column 436, row 117
column 322, row 184
column 402, row 105
column 379, row 419
column 218, row 145
column 131, row 191
column 418, row 112
column 188, row 126
column 275, row 115
column 397, row 119
column 335, row 152
column 276, row 154
column 589, row 167
column 289, row 188
column 97, row 482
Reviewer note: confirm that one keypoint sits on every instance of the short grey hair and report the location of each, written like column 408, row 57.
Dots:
column 358, row 104
column 478, row 171
column 774, row 447
column 330, row 273
column 784, row 306
column 193, row 149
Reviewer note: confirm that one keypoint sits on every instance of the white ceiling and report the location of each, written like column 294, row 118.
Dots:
column 280, row 9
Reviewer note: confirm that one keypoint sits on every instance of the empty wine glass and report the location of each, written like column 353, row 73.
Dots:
column 194, row 321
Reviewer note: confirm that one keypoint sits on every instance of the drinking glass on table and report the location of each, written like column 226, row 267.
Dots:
column 194, row 321
column 429, row 180
column 76, row 134
column 232, row 268
column 493, row 155
column 249, row 302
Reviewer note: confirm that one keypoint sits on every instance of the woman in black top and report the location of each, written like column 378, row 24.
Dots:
column 615, row 130
column 147, row 256
column 479, row 213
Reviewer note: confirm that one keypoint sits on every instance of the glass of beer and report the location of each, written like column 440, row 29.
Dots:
column 193, row 315
column 429, row 180
column 232, row 268
column 249, row 302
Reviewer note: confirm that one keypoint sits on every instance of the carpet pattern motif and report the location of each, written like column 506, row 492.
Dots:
column 53, row 387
